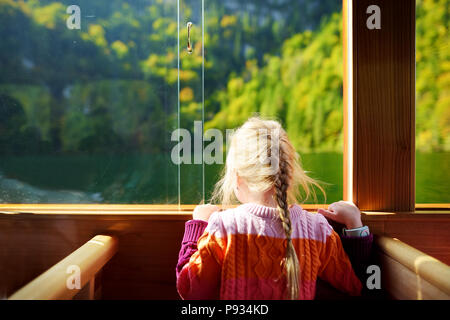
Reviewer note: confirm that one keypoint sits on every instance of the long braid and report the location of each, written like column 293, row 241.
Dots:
column 281, row 183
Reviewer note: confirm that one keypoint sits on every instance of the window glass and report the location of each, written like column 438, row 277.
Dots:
column 282, row 59
column 191, row 97
column 432, row 101
column 91, row 93
column 88, row 99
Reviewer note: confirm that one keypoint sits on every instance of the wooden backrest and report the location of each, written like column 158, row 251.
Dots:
column 143, row 267
column 69, row 276
column 409, row 274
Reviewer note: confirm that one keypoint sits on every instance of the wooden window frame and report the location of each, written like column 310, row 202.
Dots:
column 379, row 118
column 379, row 107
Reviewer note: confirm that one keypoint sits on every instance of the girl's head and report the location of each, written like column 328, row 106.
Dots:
column 261, row 158
column 262, row 164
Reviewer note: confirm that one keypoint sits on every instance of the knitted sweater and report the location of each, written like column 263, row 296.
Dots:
column 237, row 254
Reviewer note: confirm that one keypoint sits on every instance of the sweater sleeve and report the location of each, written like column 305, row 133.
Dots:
column 358, row 249
column 199, row 271
column 336, row 267
column 193, row 229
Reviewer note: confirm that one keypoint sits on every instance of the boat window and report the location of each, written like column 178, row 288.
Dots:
column 92, row 94
column 432, row 102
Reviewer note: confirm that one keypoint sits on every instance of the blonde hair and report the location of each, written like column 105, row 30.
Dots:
column 253, row 150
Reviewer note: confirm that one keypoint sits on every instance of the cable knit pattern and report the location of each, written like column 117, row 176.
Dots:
column 240, row 251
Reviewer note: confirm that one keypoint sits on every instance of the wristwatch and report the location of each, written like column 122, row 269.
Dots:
column 357, row 232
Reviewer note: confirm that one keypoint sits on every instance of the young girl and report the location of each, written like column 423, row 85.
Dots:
column 264, row 249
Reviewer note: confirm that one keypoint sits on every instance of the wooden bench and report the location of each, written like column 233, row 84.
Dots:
column 409, row 274
column 144, row 266
column 55, row 283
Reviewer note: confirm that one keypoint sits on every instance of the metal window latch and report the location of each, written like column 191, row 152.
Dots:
column 189, row 47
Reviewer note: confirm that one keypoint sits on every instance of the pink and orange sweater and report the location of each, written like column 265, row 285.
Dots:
column 237, row 255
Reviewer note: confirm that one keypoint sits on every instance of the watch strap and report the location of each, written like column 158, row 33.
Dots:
column 357, row 232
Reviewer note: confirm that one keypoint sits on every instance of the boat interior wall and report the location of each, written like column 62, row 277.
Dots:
column 148, row 246
column 74, row 276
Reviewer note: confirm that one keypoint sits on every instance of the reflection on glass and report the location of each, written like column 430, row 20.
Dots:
column 283, row 61
column 86, row 114
column 191, row 99
column 433, row 101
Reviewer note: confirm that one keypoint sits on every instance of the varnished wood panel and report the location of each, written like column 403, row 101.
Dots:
column 426, row 231
column 423, row 265
column 384, row 106
column 52, row 284
column 144, row 266
column 404, row 284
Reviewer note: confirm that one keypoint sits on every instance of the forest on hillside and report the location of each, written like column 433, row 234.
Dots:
column 112, row 85
column 302, row 84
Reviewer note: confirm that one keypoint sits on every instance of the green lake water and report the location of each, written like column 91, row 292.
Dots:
column 154, row 179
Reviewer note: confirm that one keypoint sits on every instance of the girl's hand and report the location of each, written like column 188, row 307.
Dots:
column 204, row 211
column 344, row 212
